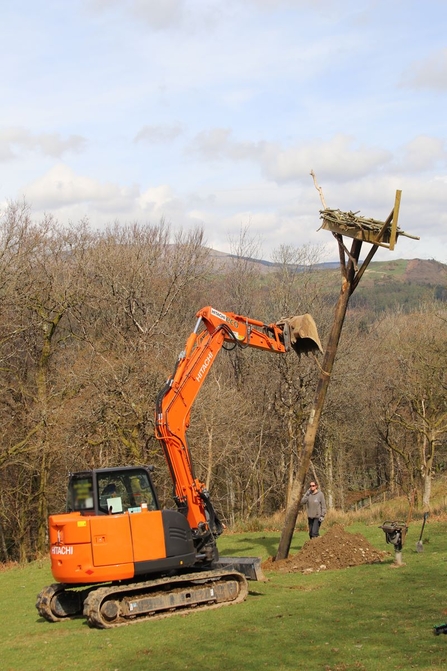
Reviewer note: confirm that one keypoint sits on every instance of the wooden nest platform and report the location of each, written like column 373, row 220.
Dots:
column 382, row 233
column 354, row 226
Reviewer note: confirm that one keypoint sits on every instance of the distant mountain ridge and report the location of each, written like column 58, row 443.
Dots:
column 417, row 271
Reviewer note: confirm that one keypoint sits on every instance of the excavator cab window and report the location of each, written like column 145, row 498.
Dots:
column 127, row 490
column 110, row 491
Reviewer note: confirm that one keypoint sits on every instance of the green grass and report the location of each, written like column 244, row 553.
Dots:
column 396, row 268
column 365, row 618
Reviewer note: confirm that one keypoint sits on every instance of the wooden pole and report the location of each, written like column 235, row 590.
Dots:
column 317, row 406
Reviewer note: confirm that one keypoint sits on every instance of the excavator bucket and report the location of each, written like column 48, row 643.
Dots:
column 303, row 333
column 250, row 567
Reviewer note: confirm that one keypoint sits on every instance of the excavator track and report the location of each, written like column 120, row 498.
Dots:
column 59, row 602
column 119, row 605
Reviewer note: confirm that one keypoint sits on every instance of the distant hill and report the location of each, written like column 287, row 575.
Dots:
column 224, row 260
column 401, row 283
column 418, row 271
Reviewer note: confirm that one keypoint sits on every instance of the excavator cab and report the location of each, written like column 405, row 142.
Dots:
column 110, row 491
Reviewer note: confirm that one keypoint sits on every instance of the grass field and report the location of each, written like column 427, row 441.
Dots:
column 364, row 618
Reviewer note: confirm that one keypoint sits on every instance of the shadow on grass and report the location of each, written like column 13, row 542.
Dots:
column 245, row 546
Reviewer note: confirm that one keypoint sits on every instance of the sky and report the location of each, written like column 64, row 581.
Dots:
column 213, row 113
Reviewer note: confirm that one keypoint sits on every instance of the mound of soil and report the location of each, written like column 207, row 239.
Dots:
column 334, row 550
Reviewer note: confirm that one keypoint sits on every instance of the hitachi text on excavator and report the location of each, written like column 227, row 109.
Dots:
column 117, row 556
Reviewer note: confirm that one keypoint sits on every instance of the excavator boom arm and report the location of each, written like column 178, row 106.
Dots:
column 213, row 329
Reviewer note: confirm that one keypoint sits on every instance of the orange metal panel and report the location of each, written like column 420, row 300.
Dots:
column 148, row 535
column 78, row 568
column 111, row 540
column 69, row 528
column 72, row 563
column 71, row 549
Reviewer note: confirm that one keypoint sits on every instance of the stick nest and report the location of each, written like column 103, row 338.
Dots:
column 351, row 221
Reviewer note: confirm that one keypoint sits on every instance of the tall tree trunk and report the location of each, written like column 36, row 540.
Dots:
column 329, row 469
column 209, row 460
column 429, row 454
column 49, row 329
column 231, row 496
column 426, row 494
column 42, row 510
column 392, row 472
column 3, row 548
column 291, row 445
column 23, row 535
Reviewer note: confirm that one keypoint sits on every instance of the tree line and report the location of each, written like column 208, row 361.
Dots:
column 91, row 324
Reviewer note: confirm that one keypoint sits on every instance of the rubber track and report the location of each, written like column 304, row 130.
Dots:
column 93, row 602
column 45, row 601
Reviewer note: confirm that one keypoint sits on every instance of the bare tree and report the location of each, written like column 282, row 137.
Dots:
column 414, row 401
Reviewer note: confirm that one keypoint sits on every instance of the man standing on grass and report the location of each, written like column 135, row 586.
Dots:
column 316, row 508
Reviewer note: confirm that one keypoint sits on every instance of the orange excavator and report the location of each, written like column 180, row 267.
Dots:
column 119, row 558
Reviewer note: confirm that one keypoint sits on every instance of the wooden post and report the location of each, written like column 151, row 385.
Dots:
column 297, row 489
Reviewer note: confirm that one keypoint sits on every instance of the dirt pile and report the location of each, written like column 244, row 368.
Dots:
column 334, row 550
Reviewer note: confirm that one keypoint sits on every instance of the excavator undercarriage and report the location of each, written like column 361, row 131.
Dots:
column 119, row 604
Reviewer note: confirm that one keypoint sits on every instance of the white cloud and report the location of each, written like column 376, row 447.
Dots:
column 158, row 15
column 423, row 153
column 157, row 200
column 158, row 133
column 14, row 141
column 429, row 73
column 338, row 158
column 213, row 144
column 60, row 187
